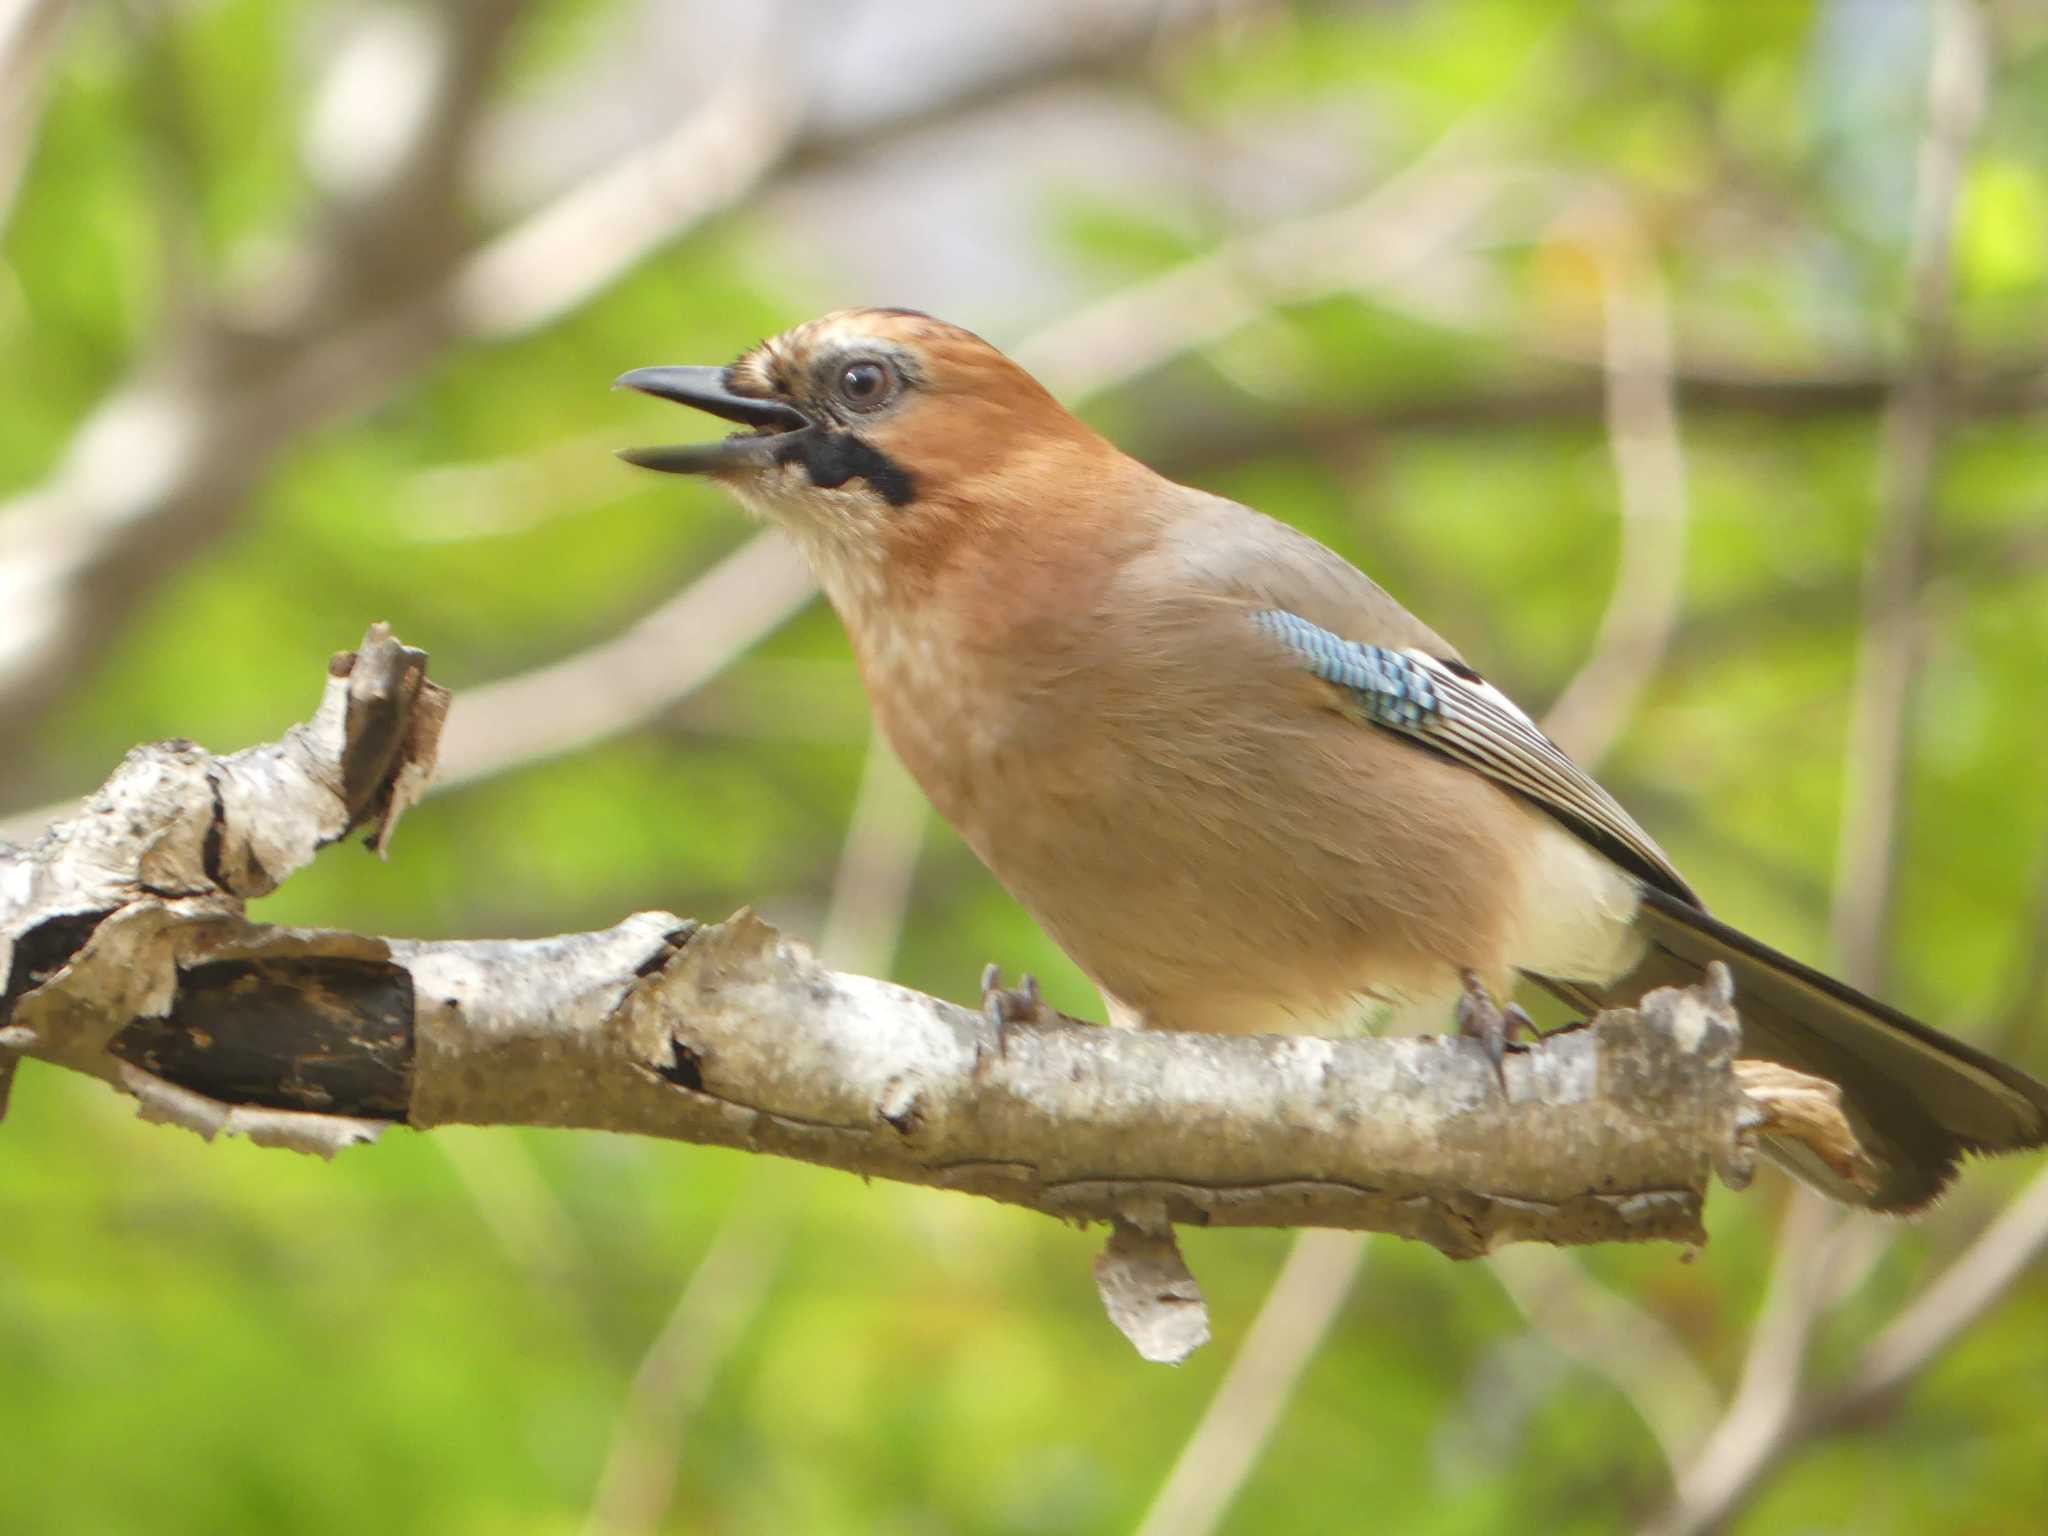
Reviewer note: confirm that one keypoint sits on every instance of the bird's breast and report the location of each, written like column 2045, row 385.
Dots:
column 982, row 731
column 1204, row 833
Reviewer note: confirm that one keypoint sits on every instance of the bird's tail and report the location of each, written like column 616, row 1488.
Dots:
column 1916, row 1099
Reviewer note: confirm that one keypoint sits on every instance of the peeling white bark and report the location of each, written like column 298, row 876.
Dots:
column 103, row 915
column 125, row 953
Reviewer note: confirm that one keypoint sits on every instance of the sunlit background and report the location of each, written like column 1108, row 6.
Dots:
column 1683, row 362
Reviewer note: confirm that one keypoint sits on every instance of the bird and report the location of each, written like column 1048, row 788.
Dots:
column 1241, row 786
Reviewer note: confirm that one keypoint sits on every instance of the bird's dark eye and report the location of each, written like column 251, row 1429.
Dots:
column 866, row 385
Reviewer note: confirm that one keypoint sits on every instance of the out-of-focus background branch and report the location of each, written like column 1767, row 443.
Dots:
column 1683, row 362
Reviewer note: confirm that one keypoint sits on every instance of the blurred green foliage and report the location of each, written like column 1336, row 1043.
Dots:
column 438, row 1334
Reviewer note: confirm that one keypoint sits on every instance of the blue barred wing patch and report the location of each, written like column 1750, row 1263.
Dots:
column 1392, row 688
column 1467, row 720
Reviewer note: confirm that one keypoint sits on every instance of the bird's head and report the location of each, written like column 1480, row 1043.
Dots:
column 876, row 436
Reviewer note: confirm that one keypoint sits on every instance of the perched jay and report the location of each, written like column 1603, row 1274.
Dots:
column 1235, row 780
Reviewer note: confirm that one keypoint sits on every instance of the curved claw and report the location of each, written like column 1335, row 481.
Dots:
column 1003, row 1006
column 1481, row 1018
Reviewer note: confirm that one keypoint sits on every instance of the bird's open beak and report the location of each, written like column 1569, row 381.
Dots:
column 705, row 388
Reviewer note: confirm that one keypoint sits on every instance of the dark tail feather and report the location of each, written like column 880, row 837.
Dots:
column 1916, row 1099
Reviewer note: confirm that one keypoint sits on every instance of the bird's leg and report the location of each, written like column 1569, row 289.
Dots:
column 1004, row 1006
column 1481, row 1018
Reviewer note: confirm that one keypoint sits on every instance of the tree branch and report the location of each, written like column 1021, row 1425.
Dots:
column 126, row 953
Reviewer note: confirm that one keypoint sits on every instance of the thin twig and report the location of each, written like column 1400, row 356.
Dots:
column 1766, row 1399
column 724, row 1295
column 29, row 33
column 525, row 1217
column 1914, row 1340
column 598, row 693
column 1891, row 651
column 1649, row 469
column 1321, row 1270
column 1402, row 226
column 562, row 255
column 871, row 891
column 1940, row 1314
column 1629, row 1346
column 1767, row 1414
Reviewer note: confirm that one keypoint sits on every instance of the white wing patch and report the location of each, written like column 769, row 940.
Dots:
column 1474, row 683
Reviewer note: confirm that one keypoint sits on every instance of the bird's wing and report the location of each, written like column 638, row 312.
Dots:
column 1228, row 550
column 1392, row 670
column 1447, row 707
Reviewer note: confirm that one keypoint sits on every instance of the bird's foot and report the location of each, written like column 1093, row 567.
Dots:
column 1481, row 1018
column 1003, row 1006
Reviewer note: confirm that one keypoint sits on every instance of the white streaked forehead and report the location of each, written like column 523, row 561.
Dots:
column 844, row 328
column 777, row 364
